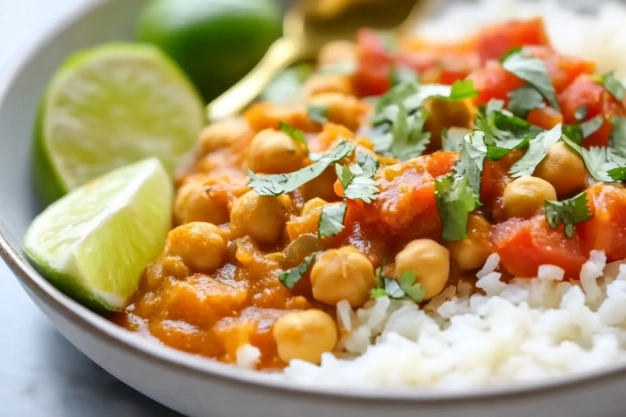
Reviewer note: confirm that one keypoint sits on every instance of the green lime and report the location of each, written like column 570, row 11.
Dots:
column 216, row 42
column 94, row 243
column 110, row 106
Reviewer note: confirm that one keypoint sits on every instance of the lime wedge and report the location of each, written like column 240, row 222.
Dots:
column 110, row 106
column 94, row 243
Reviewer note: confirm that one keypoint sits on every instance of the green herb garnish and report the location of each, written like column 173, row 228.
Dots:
column 290, row 278
column 456, row 199
column 404, row 288
column 582, row 131
column 286, row 183
column 581, row 113
column 296, row 134
column 534, row 72
column 331, row 219
column 568, row 213
column 318, row 113
column 613, row 86
column 524, row 100
column 537, row 150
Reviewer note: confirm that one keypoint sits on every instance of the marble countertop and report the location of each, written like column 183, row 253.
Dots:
column 41, row 374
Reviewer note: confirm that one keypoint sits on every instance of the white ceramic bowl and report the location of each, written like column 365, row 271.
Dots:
column 190, row 384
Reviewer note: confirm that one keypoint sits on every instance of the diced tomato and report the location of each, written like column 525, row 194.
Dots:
column 524, row 245
column 495, row 179
column 588, row 93
column 375, row 63
column 494, row 82
column 545, row 118
column 607, row 230
column 441, row 163
column 496, row 40
column 563, row 69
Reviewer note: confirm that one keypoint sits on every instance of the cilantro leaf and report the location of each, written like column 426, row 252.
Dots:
column 534, row 72
column 290, row 278
column 502, row 126
column 296, row 134
column 581, row 113
column 595, row 159
column 537, row 150
column 510, row 52
column 367, row 162
column 618, row 135
column 472, row 160
column 285, row 183
column 357, row 180
column 613, row 86
column 568, row 212
column 412, row 289
column 409, row 140
column 331, row 219
column 580, row 132
column 524, row 100
column 452, row 139
column 318, row 113
column 405, row 288
column 401, row 75
column 455, row 201
column 617, row 174
column 461, row 90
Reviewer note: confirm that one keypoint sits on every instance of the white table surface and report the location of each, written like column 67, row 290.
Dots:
column 41, row 374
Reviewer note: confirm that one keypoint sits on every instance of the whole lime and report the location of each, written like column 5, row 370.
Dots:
column 216, row 42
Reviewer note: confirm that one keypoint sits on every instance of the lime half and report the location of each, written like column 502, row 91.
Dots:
column 94, row 243
column 110, row 106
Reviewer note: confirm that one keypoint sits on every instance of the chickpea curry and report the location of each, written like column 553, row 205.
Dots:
column 398, row 171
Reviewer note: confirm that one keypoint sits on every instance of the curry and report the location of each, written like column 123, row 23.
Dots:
column 399, row 170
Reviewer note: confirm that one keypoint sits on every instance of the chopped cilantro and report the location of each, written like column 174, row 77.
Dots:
column 618, row 135
column 345, row 174
column 461, row 90
column 534, row 72
column 537, row 150
column 472, row 159
column 401, row 75
column 409, row 139
column 510, row 52
column 502, row 127
column 524, row 100
column 613, row 86
column 286, row 183
column 568, row 212
column 452, row 139
column 318, row 113
column 290, row 278
column 331, row 219
column 405, row 288
column 296, row 134
column 595, row 159
column 455, row 200
column 367, row 162
column 617, row 174
column 581, row 113
column 580, row 132
column 357, row 180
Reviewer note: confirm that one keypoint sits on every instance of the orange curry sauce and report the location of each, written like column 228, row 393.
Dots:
column 214, row 310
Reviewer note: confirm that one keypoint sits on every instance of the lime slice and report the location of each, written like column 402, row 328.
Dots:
column 110, row 106
column 94, row 243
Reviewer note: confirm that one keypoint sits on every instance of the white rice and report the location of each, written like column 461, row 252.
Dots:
column 526, row 330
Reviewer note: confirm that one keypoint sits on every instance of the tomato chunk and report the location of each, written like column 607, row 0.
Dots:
column 607, row 230
column 375, row 63
column 525, row 245
column 496, row 40
column 545, row 118
column 562, row 69
column 494, row 82
column 585, row 92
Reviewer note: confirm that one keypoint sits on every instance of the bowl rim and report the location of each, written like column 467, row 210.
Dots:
column 137, row 344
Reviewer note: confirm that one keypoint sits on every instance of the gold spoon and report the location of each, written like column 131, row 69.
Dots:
column 309, row 25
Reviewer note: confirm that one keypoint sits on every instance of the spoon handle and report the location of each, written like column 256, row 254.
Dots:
column 282, row 53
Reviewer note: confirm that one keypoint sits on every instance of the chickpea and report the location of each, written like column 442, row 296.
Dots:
column 336, row 52
column 472, row 252
column 328, row 83
column 305, row 335
column 311, row 205
column 220, row 135
column 193, row 204
column 274, row 152
column 429, row 261
column 201, row 246
column 342, row 274
column 263, row 218
column 525, row 196
column 564, row 169
column 342, row 109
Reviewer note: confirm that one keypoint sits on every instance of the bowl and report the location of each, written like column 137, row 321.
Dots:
column 189, row 384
